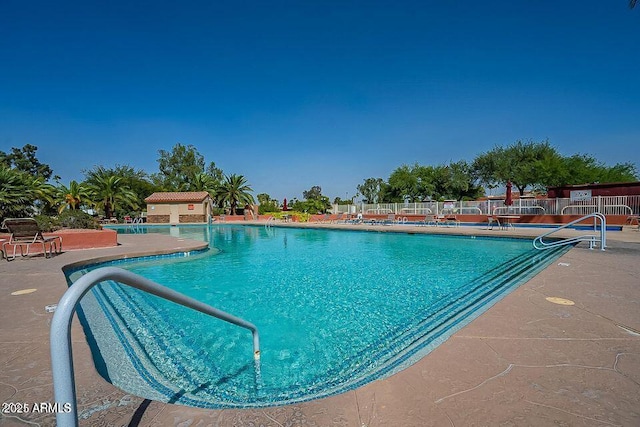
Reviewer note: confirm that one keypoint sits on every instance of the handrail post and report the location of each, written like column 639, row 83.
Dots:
column 60, row 336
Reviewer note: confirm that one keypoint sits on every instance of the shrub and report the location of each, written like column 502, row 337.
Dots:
column 69, row 218
column 73, row 218
column 301, row 216
column 268, row 207
column 47, row 223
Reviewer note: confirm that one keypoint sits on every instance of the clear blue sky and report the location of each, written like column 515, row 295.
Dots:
column 301, row 93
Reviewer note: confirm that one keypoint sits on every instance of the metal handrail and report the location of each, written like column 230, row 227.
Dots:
column 416, row 211
column 519, row 208
column 61, row 355
column 468, row 208
column 539, row 243
column 596, row 207
column 379, row 211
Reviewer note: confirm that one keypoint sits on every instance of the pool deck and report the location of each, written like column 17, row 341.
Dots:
column 526, row 361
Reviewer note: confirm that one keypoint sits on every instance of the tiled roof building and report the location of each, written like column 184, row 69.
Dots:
column 178, row 196
column 178, row 207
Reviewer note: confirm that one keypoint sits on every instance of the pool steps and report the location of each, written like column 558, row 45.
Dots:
column 400, row 348
column 174, row 375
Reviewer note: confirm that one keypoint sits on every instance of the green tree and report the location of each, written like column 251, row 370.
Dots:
column 25, row 160
column 180, row 167
column 525, row 164
column 314, row 192
column 42, row 194
column 204, row 182
column 620, row 172
column 455, row 181
column 73, row 197
column 110, row 192
column 267, row 204
column 137, row 181
column 403, row 185
column 539, row 165
column 411, row 183
column 22, row 195
column 15, row 196
column 235, row 190
column 314, row 201
column 372, row 190
column 312, row 206
column 418, row 183
column 583, row 169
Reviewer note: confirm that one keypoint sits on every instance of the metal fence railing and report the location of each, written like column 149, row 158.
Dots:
column 607, row 205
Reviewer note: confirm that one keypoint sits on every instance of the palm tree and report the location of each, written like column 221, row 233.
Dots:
column 109, row 192
column 203, row 182
column 235, row 190
column 21, row 194
column 136, row 180
column 73, row 197
column 41, row 192
column 15, row 200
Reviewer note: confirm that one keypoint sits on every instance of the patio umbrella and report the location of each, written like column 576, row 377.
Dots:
column 508, row 200
column 284, row 205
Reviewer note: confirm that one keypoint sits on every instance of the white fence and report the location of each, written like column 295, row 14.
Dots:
column 608, row 205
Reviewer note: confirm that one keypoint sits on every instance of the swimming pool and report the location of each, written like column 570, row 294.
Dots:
column 335, row 310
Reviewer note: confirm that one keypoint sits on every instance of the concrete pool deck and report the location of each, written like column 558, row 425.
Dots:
column 526, row 361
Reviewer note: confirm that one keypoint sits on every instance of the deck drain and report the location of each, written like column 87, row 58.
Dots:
column 560, row 301
column 24, row 291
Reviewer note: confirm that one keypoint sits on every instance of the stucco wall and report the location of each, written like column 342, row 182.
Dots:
column 161, row 212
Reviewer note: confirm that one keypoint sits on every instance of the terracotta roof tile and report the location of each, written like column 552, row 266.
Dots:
column 184, row 196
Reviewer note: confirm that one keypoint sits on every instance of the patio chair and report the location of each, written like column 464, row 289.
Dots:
column 391, row 218
column 492, row 220
column 25, row 232
column 430, row 220
column 451, row 221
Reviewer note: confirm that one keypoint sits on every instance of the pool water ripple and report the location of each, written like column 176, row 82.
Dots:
column 335, row 309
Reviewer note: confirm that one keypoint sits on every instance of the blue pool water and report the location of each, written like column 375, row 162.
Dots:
column 335, row 309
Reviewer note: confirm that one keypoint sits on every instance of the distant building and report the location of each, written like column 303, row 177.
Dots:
column 593, row 190
column 178, row 207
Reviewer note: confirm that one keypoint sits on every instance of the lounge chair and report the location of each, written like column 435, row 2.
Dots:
column 430, row 220
column 357, row 219
column 26, row 232
column 325, row 218
column 391, row 218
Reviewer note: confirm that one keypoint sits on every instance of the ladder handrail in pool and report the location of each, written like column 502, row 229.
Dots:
column 61, row 355
column 269, row 222
column 539, row 243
